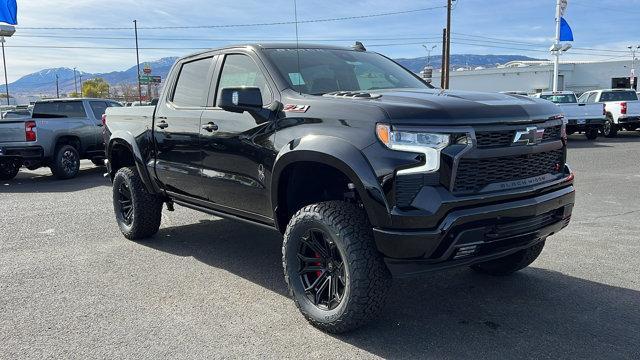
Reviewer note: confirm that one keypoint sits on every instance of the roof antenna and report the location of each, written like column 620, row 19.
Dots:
column 358, row 46
column 299, row 75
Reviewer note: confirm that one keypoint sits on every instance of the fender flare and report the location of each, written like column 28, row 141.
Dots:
column 341, row 155
column 126, row 139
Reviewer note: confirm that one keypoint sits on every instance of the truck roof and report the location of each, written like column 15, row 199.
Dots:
column 557, row 93
column 258, row 46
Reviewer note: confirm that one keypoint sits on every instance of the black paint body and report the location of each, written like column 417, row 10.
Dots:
column 419, row 222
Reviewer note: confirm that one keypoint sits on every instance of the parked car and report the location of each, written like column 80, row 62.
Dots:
column 622, row 109
column 58, row 134
column 366, row 170
column 580, row 117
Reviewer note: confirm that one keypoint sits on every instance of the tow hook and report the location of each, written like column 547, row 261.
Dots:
column 170, row 205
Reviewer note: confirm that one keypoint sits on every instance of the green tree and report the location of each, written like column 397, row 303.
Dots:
column 95, row 88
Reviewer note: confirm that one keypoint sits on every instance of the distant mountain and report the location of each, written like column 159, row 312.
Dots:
column 461, row 60
column 44, row 81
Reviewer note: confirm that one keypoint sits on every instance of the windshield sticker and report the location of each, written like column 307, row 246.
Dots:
column 296, row 79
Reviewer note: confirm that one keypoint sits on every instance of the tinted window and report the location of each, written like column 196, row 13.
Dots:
column 560, row 98
column 322, row 71
column 59, row 109
column 193, row 84
column 618, row 96
column 98, row 108
column 240, row 70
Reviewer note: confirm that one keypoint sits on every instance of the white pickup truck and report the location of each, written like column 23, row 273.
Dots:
column 581, row 117
column 622, row 109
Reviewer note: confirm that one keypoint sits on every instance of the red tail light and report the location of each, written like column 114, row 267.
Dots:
column 623, row 108
column 30, row 130
column 104, row 119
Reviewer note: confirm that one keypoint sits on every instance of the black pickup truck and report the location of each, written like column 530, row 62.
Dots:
column 367, row 171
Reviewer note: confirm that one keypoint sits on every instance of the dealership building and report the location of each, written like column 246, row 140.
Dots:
column 537, row 76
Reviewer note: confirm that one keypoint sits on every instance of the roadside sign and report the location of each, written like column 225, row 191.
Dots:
column 150, row 79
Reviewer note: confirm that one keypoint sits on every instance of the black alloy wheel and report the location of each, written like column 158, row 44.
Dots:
column 69, row 161
column 321, row 270
column 125, row 203
column 9, row 169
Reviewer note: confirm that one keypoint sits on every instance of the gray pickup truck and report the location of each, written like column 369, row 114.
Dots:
column 58, row 134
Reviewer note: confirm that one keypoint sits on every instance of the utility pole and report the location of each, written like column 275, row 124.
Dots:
column 4, row 62
column 57, row 88
column 448, row 61
column 443, row 69
column 135, row 27
column 75, row 81
column 80, row 75
column 632, row 79
column 556, row 46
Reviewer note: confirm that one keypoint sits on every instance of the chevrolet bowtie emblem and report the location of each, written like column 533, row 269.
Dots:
column 531, row 136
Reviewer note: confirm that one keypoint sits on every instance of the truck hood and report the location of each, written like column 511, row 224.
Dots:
column 438, row 107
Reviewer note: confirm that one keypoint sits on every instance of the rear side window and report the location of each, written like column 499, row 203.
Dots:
column 59, row 109
column 98, row 108
column 193, row 84
column 618, row 96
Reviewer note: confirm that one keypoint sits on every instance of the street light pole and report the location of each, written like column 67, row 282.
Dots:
column 57, row 88
column 80, row 84
column 448, row 49
column 632, row 79
column 4, row 62
column 556, row 46
column 75, row 81
column 135, row 27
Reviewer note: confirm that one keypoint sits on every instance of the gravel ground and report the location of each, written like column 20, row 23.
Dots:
column 72, row 287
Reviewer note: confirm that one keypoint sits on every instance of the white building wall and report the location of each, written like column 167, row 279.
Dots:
column 577, row 77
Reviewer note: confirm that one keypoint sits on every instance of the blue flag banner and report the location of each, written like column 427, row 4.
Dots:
column 9, row 12
column 565, row 30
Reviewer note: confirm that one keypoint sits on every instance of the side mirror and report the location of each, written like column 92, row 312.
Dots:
column 240, row 99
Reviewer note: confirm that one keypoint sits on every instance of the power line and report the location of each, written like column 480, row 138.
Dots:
column 343, row 18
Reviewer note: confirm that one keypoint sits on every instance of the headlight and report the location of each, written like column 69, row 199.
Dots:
column 429, row 144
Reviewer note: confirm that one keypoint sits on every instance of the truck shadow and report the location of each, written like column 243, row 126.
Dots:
column 536, row 313
column 43, row 181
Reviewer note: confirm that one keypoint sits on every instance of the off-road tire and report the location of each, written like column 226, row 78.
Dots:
column 367, row 277
column 592, row 133
column 147, row 208
column 66, row 162
column 9, row 169
column 509, row 264
column 609, row 129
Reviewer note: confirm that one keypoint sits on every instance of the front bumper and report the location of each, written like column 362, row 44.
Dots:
column 471, row 235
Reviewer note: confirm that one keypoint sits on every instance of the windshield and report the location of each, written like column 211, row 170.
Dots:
column 324, row 71
column 560, row 98
column 618, row 96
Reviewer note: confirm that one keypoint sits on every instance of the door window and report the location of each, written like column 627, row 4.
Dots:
column 98, row 108
column 193, row 84
column 592, row 98
column 240, row 70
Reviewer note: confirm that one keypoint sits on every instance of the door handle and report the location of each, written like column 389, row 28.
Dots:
column 210, row 127
column 162, row 124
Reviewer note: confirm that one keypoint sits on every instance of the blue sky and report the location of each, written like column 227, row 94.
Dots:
column 479, row 27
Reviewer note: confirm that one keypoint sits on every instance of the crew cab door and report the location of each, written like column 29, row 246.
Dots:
column 238, row 152
column 177, row 127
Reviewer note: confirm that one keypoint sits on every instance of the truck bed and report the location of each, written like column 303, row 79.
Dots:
column 130, row 118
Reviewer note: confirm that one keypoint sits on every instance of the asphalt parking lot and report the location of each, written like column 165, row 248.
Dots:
column 72, row 287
